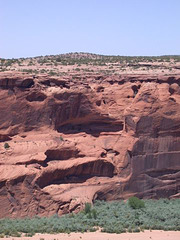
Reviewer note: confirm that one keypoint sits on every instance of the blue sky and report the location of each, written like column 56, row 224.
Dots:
column 114, row 27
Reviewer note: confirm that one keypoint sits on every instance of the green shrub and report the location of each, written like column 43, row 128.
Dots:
column 15, row 234
column 94, row 213
column 6, row 145
column 61, row 138
column 87, row 208
column 30, row 234
column 136, row 230
column 136, row 203
column 112, row 217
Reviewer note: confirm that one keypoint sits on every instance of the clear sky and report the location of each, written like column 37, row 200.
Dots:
column 115, row 27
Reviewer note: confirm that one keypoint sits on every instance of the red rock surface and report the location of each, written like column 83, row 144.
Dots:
column 74, row 140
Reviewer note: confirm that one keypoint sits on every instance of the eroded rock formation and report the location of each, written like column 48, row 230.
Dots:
column 74, row 140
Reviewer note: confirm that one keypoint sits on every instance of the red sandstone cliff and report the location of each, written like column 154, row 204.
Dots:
column 86, row 138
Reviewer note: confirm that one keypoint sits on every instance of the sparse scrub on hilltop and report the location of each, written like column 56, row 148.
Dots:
column 131, row 63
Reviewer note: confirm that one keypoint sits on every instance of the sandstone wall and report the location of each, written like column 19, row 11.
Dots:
column 93, row 137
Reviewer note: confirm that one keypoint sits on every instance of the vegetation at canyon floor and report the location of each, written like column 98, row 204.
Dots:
column 111, row 217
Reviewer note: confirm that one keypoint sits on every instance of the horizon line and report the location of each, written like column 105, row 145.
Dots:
column 98, row 54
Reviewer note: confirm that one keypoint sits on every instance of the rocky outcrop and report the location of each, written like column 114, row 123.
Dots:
column 74, row 140
column 9, row 81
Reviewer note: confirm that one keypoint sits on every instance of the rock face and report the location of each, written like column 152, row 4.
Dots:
column 72, row 141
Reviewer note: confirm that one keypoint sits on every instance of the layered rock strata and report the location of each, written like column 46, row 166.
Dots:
column 65, row 141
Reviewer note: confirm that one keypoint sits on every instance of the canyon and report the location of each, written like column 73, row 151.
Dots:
column 65, row 140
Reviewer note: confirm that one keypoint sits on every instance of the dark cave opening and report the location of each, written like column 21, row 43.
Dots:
column 93, row 128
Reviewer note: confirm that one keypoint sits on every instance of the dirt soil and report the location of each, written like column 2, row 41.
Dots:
column 146, row 235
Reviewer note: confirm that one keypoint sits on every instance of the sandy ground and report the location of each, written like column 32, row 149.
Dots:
column 146, row 235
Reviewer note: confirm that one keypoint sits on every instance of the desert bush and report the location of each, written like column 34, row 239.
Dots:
column 114, row 217
column 61, row 138
column 87, row 208
column 136, row 203
column 94, row 213
column 6, row 145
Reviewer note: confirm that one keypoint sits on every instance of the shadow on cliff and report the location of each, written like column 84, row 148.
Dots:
column 92, row 128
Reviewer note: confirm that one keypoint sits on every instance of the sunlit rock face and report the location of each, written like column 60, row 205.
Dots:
column 71, row 142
